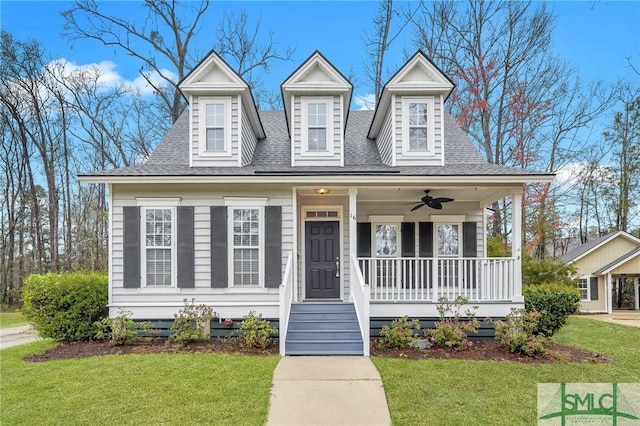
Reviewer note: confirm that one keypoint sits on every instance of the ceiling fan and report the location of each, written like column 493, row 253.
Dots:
column 429, row 201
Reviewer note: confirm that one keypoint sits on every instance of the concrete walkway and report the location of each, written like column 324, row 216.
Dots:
column 14, row 336
column 631, row 318
column 327, row 390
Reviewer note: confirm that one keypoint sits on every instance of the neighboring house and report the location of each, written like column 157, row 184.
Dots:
column 603, row 265
column 277, row 211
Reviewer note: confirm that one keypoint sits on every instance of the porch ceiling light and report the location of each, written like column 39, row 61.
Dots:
column 322, row 191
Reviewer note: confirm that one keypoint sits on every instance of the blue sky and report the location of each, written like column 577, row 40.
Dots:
column 596, row 37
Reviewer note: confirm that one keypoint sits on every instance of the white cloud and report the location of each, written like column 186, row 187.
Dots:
column 366, row 102
column 106, row 74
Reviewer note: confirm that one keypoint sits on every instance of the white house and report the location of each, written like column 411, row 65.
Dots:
column 323, row 219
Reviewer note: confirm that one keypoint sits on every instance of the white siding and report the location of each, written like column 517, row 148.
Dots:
column 249, row 140
column 385, row 140
column 144, row 302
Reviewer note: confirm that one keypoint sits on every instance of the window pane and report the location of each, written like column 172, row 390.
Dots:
column 245, row 267
column 386, row 240
column 448, row 240
column 158, row 228
column 159, row 267
column 317, row 140
column 418, row 139
column 215, row 139
column 317, row 115
column 215, row 115
column 418, row 114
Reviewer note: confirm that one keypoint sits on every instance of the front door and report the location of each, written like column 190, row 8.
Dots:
column 322, row 259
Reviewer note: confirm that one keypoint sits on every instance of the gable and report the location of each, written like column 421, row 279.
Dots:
column 610, row 250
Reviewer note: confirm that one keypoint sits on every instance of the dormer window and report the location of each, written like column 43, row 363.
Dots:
column 418, row 125
column 317, row 128
column 215, row 126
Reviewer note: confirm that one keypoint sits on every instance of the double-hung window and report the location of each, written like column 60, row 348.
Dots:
column 215, row 125
column 158, row 229
column 418, row 125
column 246, row 232
column 317, row 131
column 583, row 288
column 158, row 246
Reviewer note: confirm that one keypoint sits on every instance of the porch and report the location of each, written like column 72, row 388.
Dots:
column 431, row 279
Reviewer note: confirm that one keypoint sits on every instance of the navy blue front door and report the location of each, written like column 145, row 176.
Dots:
column 322, row 265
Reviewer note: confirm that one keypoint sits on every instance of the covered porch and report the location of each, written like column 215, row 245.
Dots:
column 390, row 259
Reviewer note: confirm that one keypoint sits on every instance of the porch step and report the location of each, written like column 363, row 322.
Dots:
column 323, row 329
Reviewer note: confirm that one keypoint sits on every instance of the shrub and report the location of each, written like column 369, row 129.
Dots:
column 400, row 334
column 121, row 329
column 451, row 331
column 256, row 331
column 544, row 271
column 518, row 333
column 66, row 306
column 554, row 302
column 191, row 323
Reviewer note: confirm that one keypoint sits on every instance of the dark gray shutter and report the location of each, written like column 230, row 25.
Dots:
column 425, row 241
column 408, row 230
column 364, row 239
column 131, row 247
column 273, row 246
column 469, row 239
column 593, row 284
column 186, row 252
column 219, row 247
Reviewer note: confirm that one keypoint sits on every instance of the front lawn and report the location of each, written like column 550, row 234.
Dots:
column 454, row 392
column 148, row 389
column 12, row 319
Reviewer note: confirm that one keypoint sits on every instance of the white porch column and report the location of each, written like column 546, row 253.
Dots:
column 516, row 244
column 296, row 211
column 608, row 293
column 353, row 236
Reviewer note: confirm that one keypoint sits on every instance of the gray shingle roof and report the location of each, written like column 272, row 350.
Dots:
column 273, row 154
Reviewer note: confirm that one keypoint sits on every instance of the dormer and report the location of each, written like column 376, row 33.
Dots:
column 316, row 101
column 224, row 125
column 408, row 124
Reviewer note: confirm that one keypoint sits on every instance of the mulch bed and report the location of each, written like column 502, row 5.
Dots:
column 490, row 350
column 482, row 350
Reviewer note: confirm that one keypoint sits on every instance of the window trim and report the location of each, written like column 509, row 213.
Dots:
column 587, row 280
column 304, row 131
column 239, row 203
column 202, row 125
column 406, row 143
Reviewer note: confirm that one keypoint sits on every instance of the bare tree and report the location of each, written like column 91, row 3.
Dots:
column 521, row 105
column 162, row 42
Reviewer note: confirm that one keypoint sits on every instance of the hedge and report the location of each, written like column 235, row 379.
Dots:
column 64, row 306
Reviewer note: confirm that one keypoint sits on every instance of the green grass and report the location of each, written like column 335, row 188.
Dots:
column 150, row 389
column 455, row 392
column 12, row 319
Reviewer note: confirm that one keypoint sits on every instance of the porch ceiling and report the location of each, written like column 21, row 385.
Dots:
column 484, row 195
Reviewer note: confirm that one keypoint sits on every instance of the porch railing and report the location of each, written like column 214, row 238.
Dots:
column 360, row 295
column 286, row 299
column 429, row 279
